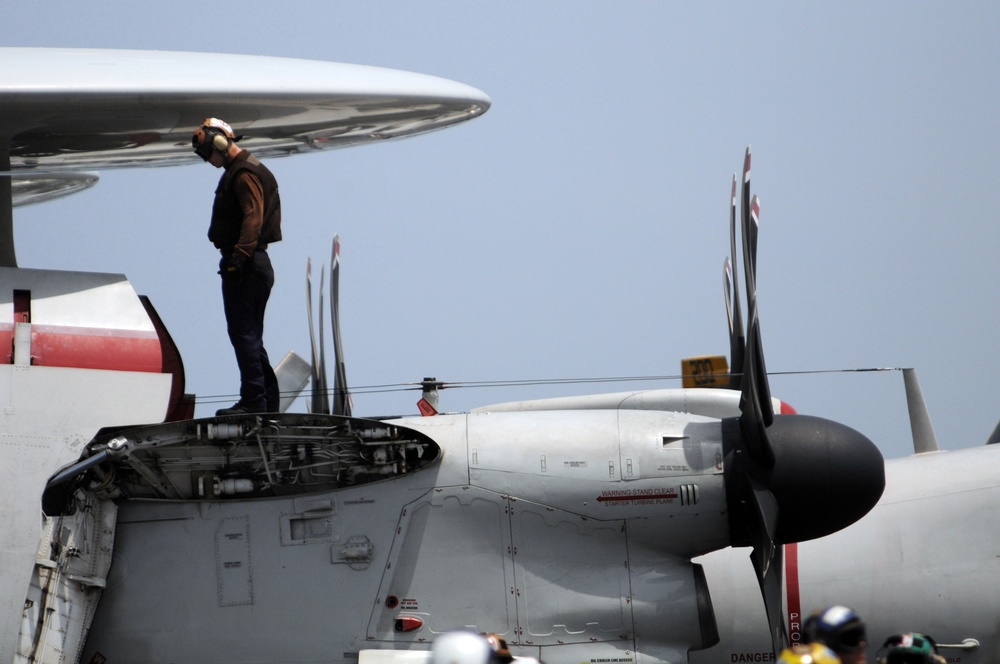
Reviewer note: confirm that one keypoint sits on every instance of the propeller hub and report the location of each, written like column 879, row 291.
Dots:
column 825, row 477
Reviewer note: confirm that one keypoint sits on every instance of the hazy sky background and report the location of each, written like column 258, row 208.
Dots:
column 578, row 229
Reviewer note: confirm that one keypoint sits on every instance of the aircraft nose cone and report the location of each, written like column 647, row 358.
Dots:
column 825, row 476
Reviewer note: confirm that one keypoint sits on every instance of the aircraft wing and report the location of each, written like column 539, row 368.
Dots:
column 109, row 108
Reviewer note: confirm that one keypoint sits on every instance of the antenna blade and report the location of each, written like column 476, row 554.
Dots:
column 924, row 439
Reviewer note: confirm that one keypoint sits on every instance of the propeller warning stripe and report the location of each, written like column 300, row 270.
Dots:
column 793, row 600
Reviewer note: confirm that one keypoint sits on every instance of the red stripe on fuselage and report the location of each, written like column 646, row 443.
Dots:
column 87, row 348
column 793, row 601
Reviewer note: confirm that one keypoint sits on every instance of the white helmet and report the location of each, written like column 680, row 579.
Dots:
column 461, row 647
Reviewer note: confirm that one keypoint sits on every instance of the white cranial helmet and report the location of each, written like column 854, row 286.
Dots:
column 461, row 647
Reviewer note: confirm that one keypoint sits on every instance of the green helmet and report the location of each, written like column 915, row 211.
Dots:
column 910, row 648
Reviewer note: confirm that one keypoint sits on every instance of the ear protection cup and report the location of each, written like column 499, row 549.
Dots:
column 220, row 142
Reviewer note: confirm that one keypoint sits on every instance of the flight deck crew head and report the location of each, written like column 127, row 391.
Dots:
column 909, row 648
column 468, row 647
column 841, row 630
column 461, row 647
column 214, row 140
column 808, row 653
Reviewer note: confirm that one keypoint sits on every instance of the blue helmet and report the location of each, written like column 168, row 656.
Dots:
column 839, row 628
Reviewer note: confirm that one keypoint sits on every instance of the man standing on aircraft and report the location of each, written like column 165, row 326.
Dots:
column 246, row 217
column 841, row 630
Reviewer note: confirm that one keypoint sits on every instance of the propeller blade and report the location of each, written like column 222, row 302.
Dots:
column 755, row 348
column 756, row 415
column 770, row 588
column 789, row 478
column 315, row 401
column 323, row 386
column 767, row 561
column 737, row 342
column 754, row 229
column 763, row 386
column 766, row 557
column 341, row 394
column 744, row 219
column 766, row 522
column 727, row 285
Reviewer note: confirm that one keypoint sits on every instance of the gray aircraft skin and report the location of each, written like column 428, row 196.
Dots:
column 580, row 530
column 525, row 524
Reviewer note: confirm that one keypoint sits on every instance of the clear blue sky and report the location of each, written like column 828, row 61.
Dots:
column 578, row 229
